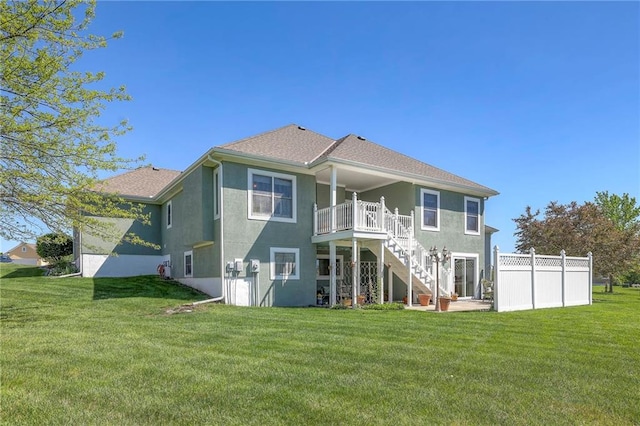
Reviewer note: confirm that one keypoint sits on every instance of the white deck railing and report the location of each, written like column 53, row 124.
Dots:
column 373, row 217
column 366, row 216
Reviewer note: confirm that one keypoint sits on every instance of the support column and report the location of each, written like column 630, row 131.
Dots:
column 354, row 211
column 409, row 281
column 333, row 195
column 381, row 272
column 333, row 270
column 355, row 275
column 381, row 213
column 390, row 282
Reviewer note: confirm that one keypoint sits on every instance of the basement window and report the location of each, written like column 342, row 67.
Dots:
column 188, row 263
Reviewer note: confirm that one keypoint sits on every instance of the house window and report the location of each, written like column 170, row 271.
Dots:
column 188, row 263
column 24, row 249
column 284, row 263
column 323, row 267
column 216, row 194
column 430, row 210
column 472, row 215
column 169, row 214
column 272, row 196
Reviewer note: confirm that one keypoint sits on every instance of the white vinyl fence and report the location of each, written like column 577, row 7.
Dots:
column 530, row 281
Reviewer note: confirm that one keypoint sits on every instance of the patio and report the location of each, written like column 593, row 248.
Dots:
column 464, row 305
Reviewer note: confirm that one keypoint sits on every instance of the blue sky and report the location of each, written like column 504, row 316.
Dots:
column 540, row 101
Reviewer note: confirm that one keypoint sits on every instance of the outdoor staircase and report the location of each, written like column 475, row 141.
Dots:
column 405, row 255
column 398, row 245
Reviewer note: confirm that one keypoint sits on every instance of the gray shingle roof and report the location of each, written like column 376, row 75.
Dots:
column 289, row 143
column 295, row 144
column 144, row 182
column 356, row 149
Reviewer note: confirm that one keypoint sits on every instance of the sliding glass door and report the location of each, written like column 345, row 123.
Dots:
column 465, row 276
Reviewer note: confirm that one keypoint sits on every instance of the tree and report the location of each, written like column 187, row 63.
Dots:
column 623, row 211
column 54, row 247
column 53, row 146
column 579, row 229
column 625, row 214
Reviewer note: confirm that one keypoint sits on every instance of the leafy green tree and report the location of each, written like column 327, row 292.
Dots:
column 625, row 214
column 622, row 210
column 579, row 229
column 53, row 144
column 54, row 247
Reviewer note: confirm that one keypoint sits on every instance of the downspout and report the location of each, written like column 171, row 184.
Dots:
column 80, row 256
column 222, row 298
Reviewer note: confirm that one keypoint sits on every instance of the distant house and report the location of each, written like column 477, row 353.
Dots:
column 291, row 217
column 25, row 254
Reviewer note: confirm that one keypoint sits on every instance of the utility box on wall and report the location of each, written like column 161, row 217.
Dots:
column 254, row 265
column 237, row 265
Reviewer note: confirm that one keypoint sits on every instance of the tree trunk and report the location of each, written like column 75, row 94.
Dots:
column 610, row 283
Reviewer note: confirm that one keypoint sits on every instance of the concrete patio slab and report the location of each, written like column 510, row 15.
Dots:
column 460, row 305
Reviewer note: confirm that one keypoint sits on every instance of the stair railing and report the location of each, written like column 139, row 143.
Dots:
column 398, row 228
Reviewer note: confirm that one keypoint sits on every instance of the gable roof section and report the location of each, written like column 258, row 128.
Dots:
column 355, row 149
column 144, row 182
column 290, row 143
column 30, row 245
column 295, row 144
column 298, row 147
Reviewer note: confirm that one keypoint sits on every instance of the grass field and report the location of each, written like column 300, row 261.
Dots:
column 105, row 351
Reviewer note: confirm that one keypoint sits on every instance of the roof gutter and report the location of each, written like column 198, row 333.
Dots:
column 236, row 154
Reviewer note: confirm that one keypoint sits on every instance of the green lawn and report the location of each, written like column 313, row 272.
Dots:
column 105, row 351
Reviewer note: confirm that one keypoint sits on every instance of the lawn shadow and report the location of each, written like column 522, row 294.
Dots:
column 143, row 286
column 21, row 272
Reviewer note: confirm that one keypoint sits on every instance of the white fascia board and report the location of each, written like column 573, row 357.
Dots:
column 260, row 161
column 138, row 199
column 408, row 177
column 222, row 154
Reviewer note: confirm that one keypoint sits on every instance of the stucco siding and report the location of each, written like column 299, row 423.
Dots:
column 248, row 239
column 398, row 195
column 452, row 226
column 323, row 195
column 192, row 225
column 150, row 233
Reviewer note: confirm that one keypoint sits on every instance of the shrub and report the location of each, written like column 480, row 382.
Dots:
column 54, row 247
column 62, row 268
column 339, row 306
column 395, row 306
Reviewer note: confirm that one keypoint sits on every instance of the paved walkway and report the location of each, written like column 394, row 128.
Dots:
column 460, row 305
